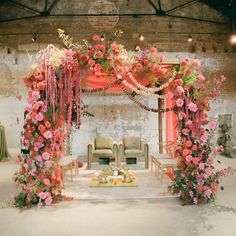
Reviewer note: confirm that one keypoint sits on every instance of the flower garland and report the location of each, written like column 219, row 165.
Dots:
column 149, row 91
column 145, row 107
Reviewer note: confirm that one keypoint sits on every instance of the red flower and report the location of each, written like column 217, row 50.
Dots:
column 48, row 124
column 91, row 62
column 41, row 128
column 100, row 47
column 178, row 82
column 96, row 37
column 76, row 55
column 145, row 61
column 205, row 100
column 186, row 152
column 99, row 54
column 200, row 188
column 188, row 143
column 194, row 148
column 46, row 182
column 91, row 53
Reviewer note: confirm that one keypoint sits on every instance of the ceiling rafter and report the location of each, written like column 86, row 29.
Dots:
column 181, row 6
column 22, row 6
column 157, row 10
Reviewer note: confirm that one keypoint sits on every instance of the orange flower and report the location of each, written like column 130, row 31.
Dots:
column 48, row 124
column 186, row 152
column 205, row 100
column 194, row 147
column 41, row 128
column 188, row 143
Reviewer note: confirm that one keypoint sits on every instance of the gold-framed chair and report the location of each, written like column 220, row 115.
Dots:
column 101, row 147
column 133, row 147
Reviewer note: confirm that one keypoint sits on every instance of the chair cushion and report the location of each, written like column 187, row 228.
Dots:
column 103, row 143
column 103, row 152
column 133, row 152
column 132, row 143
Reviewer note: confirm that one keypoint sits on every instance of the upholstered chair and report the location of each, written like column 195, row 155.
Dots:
column 102, row 147
column 133, row 147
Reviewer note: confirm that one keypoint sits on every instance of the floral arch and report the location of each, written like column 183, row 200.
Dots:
column 54, row 103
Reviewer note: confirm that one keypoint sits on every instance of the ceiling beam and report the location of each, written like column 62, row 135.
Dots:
column 159, row 4
column 159, row 12
column 180, row 6
column 22, row 6
column 46, row 5
column 135, row 15
column 52, row 5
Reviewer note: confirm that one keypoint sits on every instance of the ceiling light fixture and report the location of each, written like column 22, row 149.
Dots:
column 141, row 37
column 137, row 48
column 34, row 37
column 190, row 38
column 102, row 37
column 232, row 38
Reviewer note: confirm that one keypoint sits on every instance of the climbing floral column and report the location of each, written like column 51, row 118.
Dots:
column 196, row 179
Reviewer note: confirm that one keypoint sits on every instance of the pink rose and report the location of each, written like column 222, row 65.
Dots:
column 179, row 102
column 180, row 89
column 38, row 158
column 196, row 64
column 185, row 131
column 213, row 124
column 169, row 95
column 98, row 67
column 48, row 200
column 208, row 171
column 204, row 138
column 91, row 62
column 39, row 117
column 209, row 160
column 68, row 52
column 195, row 201
column 189, row 158
column 96, row 37
column 42, row 195
column 44, row 109
column 99, row 54
column 35, row 94
column 192, row 107
column 46, row 156
column 47, row 134
column 201, row 166
column 48, row 164
column 46, row 182
column 181, row 115
column 208, row 192
column 201, row 77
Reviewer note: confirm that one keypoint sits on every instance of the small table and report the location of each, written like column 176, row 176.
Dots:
column 162, row 162
column 68, row 163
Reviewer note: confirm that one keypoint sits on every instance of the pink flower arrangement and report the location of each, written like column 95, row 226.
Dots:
column 46, row 156
column 47, row 134
column 196, row 64
column 192, row 107
column 181, row 115
column 179, row 102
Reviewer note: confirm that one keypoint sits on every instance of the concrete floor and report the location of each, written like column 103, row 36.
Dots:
column 131, row 217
